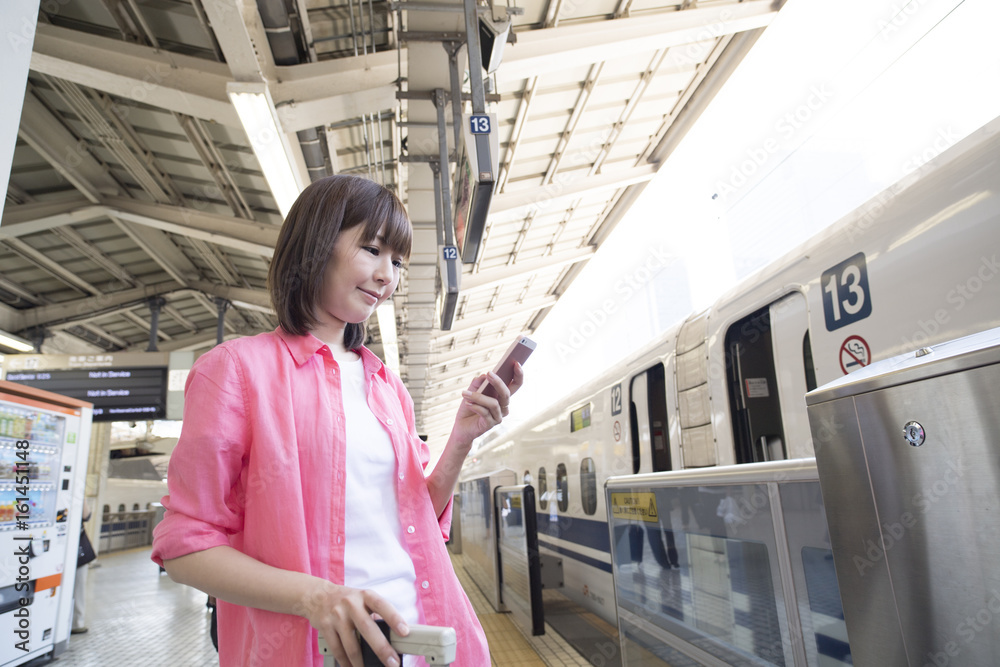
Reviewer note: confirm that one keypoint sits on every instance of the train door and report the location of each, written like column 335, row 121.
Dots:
column 766, row 369
column 648, row 421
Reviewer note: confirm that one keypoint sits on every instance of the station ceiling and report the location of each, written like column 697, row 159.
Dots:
column 134, row 180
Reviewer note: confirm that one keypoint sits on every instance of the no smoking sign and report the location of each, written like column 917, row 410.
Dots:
column 854, row 354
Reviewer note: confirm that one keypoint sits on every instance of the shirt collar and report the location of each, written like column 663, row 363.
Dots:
column 303, row 347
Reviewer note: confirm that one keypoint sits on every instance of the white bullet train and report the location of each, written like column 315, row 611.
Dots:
column 916, row 265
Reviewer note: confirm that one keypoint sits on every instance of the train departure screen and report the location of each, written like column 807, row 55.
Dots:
column 118, row 394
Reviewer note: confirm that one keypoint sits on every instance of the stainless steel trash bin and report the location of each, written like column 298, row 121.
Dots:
column 908, row 454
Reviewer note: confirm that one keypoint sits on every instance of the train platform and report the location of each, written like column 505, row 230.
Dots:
column 138, row 616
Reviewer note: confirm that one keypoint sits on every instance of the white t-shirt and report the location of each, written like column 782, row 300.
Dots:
column 374, row 555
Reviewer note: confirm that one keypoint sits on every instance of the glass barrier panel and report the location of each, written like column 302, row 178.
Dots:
column 696, row 566
column 817, row 592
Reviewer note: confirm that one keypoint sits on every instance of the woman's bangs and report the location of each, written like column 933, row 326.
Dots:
column 390, row 218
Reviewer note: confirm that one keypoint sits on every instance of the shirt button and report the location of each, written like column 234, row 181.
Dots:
column 401, row 475
column 425, row 584
column 410, row 529
column 389, row 422
column 339, row 539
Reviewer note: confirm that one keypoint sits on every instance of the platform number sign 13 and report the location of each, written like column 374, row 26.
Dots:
column 846, row 297
column 479, row 124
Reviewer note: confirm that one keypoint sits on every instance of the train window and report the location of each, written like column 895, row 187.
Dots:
column 527, row 477
column 543, row 498
column 588, row 486
column 579, row 418
column 807, row 361
column 562, row 487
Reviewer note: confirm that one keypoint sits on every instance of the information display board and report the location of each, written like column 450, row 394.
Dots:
column 118, row 394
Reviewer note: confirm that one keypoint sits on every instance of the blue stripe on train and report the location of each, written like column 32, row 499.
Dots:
column 586, row 560
column 585, row 532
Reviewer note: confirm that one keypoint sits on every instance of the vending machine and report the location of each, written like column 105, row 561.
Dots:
column 44, row 442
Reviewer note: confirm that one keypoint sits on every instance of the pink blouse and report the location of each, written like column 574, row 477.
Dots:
column 259, row 466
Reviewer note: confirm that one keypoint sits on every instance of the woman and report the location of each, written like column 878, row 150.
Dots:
column 298, row 495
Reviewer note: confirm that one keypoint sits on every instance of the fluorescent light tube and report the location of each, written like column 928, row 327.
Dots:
column 260, row 121
column 15, row 342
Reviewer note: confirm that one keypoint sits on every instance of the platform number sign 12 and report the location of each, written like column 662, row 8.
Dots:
column 449, row 252
column 616, row 399
column 846, row 297
column 479, row 124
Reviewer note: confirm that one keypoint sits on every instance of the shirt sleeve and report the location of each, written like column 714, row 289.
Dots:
column 204, row 505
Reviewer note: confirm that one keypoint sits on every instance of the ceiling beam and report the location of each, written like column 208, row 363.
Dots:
column 568, row 186
column 55, row 268
column 505, row 312
column 178, row 317
column 238, row 295
column 85, row 308
column 331, row 91
column 242, row 38
column 161, row 249
column 553, row 49
column 234, row 320
column 92, row 252
column 143, row 324
column 445, row 357
column 193, row 341
column 306, row 95
column 135, row 72
column 20, row 292
column 253, row 237
column 63, row 150
column 42, row 216
column 492, row 277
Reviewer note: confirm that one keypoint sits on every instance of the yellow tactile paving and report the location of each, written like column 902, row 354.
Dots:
column 508, row 645
column 508, row 648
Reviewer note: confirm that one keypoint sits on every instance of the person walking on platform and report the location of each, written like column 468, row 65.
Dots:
column 85, row 556
column 297, row 490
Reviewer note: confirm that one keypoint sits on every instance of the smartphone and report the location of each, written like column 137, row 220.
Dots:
column 518, row 351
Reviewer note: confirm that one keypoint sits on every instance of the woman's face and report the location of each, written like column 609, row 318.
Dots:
column 359, row 277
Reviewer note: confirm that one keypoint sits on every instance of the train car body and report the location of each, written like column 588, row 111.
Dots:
column 916, row 265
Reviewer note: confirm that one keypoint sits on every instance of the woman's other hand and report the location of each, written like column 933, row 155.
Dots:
column 340, row 612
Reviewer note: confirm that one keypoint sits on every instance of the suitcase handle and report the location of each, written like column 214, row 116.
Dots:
column 436, row 644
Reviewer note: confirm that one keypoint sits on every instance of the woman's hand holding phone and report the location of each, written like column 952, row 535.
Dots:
column 485, row 403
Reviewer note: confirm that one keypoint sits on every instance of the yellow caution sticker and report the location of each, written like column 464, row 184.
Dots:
column 634, row 506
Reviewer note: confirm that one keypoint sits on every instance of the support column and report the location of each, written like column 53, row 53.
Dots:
column 38, row 336
column 223, row 306
column 155, row 304
column 98, row 466
column 18, row 17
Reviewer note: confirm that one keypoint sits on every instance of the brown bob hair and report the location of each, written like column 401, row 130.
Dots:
column 305, row 245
